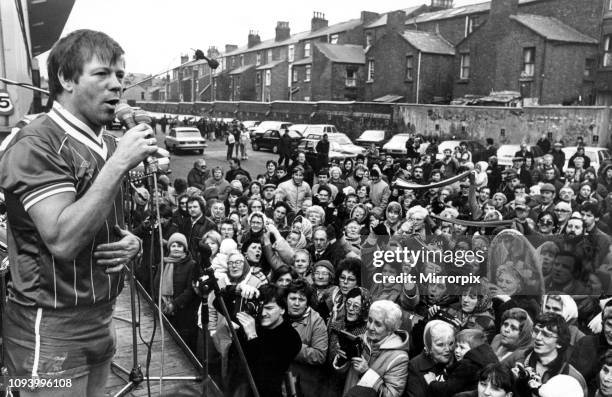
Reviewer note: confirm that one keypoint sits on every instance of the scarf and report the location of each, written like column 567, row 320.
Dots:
column 167, row 287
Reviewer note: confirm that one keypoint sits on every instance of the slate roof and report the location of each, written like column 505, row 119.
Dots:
column 336, row 28
column 242, row 69
column 389, row 98
column 343, row 53
column 382, row 20
column 456, row 11
column 304, row 61
column 430, row 43
column 552, row 29
column 270, row 65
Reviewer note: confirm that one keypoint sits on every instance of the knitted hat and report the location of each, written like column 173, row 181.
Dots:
column 227, row 245
column 326, row 264
column 178, row 238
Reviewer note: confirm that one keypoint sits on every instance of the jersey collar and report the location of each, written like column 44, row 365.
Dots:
column 78, row 130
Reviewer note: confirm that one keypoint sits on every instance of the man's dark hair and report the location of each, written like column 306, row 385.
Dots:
column 352, row 265
column 499, row 375
column 300, row 286
column 282, row 204
column 198, row 200
column 489, row 141
column 325, row 188
column 271, row 162
column 323, row 171
column 555, row 323
column 236, row 160
column 180, row 185
column 269, row 293
column 592, row 208
column 374, row 173
column 73, row 51
column 248, row 243
column 165, row 211
column 577, row 269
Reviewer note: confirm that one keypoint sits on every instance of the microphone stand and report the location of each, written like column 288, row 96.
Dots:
column 135, row 376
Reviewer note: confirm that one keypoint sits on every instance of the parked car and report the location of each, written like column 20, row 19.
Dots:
column 250, row 124
column 396, row 147
column 597, row 155
column 270, row 140
column 377, row 137
column 479, row 152
column 344, row 143
column 269, row 125
column 505, row 153
column 163, row 163
column 320, row 128
column 308, row 146
column 299, row 128
column 185, row 138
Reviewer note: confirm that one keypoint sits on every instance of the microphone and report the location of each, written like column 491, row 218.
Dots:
column 130, row 118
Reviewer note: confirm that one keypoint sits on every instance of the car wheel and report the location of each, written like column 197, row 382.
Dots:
column 255, row 146
column 201, row 151
column 275, row 149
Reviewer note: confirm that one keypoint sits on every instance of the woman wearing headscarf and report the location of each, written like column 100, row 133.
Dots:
column 178, row 300
column 393, row 215
column 303, row 225
column 564, row 305
column 515, row 336
column 431, row 364
column 361, row 214
column 323, row 284
column 474, row 310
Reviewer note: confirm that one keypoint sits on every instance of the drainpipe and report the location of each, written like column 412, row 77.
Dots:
column 542, row 74
column 418, row 82
column 5, row 119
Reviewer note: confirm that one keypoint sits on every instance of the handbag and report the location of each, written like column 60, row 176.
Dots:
column 231, row 139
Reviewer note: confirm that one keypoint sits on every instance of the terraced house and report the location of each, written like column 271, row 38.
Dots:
column 549, row 51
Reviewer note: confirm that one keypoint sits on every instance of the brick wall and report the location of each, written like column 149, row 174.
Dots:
column 321, row 76
column 584, row 16
column 436, row 77
column 278, row 90
column 339, row 90
column 565, row 73
column 389, row 53
column 518, row 124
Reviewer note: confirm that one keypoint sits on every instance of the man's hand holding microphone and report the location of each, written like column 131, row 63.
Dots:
column 138, row 143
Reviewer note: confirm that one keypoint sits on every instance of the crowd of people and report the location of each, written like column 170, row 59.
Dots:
column 296, row 247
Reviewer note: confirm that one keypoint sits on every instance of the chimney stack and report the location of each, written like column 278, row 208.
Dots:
column 184, row 59
column 396, row 21
column 212, row 52
column 368, row 16
column 253, row 39
column 282, row 31
column 437, row 5
column 230, row 47
column 318, row 21
column 501, row 11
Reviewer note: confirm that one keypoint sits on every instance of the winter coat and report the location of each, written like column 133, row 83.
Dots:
column 308, row 364
column 464, row 374
column 388, row 366
column 417, row 368
column 587, row 356
column 293, row 195
column 194, row 231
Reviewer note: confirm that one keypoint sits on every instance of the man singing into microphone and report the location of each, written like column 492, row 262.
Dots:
column 62, row 179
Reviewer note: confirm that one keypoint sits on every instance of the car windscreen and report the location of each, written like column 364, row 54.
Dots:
column 188, row 134
column 294, row 134
column 341, row 139
column 398, row 140
column 372, row 135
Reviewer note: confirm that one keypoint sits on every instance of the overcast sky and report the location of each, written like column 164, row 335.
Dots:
column 154, row 33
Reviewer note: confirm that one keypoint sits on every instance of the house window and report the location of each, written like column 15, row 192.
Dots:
column 607, row 56
column 233, row 62
column 589, row 68
column 610, row 5
column 333, row 39
column 528, row 62
column 351, row 77
column 270, row 56
column 409, row 67
column 258, row 79
column 471, row 23
column 464, row 74
column 142, row 96
column 268, row 77
column 307, row 74
column 294, row 75
column 258, row 61
column 370, row 70
column 369, row 39
column 241, row 60
column 291, row 53
column 307, row 49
